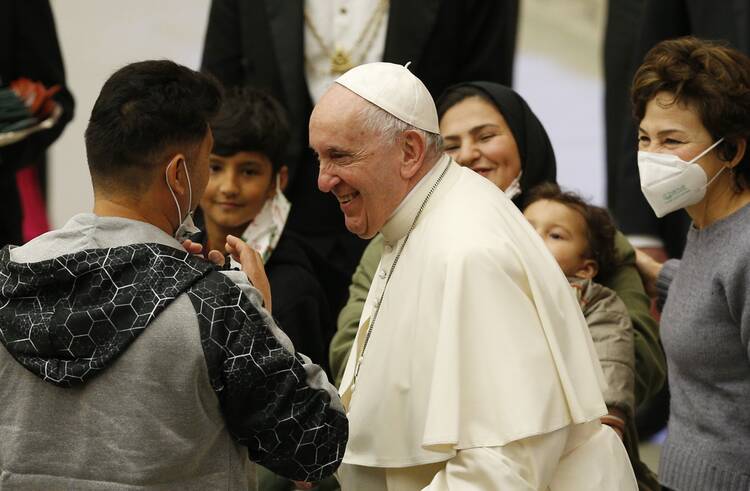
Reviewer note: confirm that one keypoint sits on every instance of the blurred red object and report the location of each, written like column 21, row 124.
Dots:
column 36, row 96
column 34, row 211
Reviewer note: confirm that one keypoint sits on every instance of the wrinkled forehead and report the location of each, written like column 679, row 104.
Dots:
column 337, row 104
column 666, row 114
column 337, row 113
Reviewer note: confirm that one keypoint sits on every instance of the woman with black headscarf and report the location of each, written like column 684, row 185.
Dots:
column 492, row 130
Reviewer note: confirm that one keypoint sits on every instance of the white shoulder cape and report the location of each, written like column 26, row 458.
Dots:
column 479, row 341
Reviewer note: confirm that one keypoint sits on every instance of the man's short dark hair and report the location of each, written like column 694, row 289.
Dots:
column 145, row 113
column 251, row 120
column 600, row 228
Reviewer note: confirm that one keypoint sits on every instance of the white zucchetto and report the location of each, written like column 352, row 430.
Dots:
column 396, row 90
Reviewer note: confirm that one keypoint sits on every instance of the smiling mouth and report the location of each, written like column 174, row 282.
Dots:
column 482, row 170
column 346, row 198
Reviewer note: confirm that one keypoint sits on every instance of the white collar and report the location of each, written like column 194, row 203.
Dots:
column 401, row 219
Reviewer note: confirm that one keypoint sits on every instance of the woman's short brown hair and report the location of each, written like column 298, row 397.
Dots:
column 600, row 228
column 708, row 76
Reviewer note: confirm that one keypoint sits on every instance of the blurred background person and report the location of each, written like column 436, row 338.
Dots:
column 621, row 38
column 29, row 51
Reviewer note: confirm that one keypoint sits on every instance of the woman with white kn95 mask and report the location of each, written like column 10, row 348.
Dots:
column 692, row 101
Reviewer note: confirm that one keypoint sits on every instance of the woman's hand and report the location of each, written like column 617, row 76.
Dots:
column 649, row 269
column 252, row 266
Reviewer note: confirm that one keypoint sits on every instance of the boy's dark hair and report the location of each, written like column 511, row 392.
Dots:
column 145, row 113
column 600, row 229
column 251, row 120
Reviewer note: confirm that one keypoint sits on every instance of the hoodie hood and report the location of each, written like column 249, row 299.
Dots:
column 66, row 319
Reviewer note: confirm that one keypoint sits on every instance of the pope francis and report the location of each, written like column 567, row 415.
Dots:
column 473, row 368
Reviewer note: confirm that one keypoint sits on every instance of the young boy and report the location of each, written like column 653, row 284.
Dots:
column 244, row 197
column 581, row 238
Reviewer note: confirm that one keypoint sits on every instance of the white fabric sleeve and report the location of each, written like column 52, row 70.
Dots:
column 527, row 464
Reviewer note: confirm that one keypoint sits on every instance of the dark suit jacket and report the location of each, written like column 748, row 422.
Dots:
column 28, row 48
column 667, row 19
column 260, row 43
column 622, row 34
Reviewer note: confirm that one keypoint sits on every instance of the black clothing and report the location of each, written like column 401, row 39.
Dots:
column 28, row 48
column 300, row 305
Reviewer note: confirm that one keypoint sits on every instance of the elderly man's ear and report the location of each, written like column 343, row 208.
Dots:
column 413, row 148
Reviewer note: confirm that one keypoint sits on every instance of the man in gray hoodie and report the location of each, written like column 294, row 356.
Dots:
column 129, row 362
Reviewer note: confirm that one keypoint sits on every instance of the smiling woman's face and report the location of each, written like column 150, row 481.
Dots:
column 677, row 129
column 477, row 136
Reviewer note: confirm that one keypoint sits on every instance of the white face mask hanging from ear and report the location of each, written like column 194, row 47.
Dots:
column 514, row 188
column 187, row 226
column 264, row 232
column 669, row 183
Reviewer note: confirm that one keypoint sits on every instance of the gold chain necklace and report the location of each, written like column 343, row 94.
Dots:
column 341, row 59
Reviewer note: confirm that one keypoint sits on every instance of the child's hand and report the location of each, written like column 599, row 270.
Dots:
column 616, row 430
column 615, row 419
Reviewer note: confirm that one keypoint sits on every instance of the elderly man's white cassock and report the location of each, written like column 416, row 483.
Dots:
column 480, row 372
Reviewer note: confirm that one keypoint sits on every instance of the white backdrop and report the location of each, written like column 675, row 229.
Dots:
column 97, row 37
column 570, row 104
column 557, row 71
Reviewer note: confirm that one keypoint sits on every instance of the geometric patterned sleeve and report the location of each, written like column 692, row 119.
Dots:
column 272, row 401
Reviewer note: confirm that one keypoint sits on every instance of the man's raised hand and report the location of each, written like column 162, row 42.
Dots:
column 252, row 266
